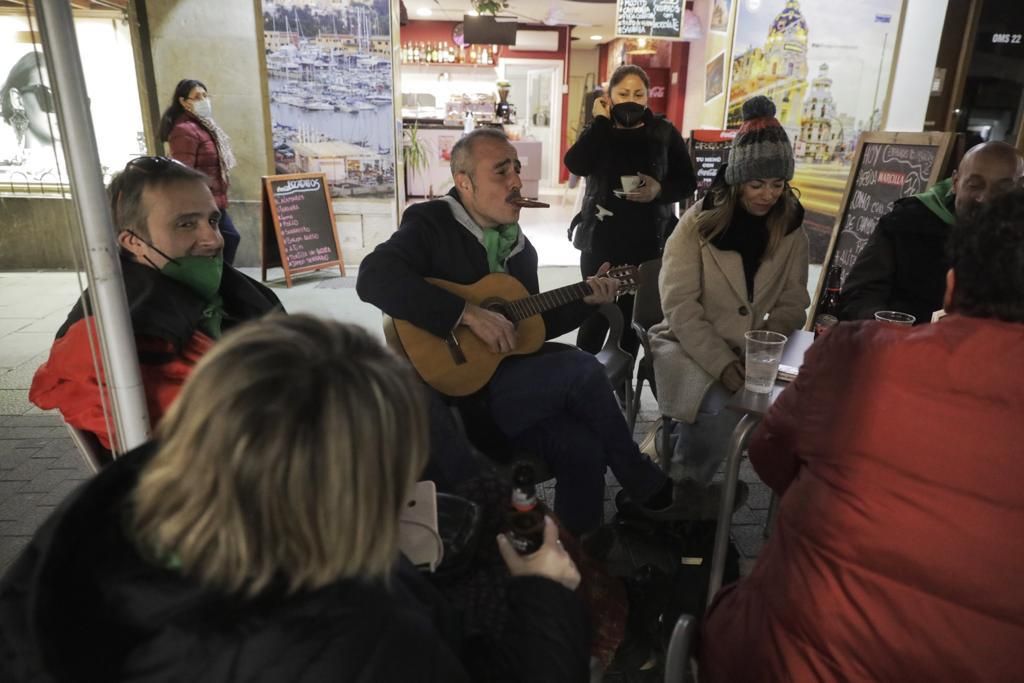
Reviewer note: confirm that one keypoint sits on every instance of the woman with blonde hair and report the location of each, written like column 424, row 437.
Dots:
column 256, row 538
column 736, row 262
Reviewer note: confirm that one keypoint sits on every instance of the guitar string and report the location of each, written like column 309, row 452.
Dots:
column 538, row 303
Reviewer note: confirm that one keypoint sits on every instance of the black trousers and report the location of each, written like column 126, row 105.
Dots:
column 594, row 329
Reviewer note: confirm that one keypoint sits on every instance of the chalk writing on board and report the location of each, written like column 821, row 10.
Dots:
column 655, row 18
column 887, row 172
column 301, row 215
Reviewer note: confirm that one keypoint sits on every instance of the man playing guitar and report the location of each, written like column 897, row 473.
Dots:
column 559, row 405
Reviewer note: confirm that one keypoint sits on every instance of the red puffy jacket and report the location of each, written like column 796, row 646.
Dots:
column 165, row 319
column 898, row 550
column 194, row 145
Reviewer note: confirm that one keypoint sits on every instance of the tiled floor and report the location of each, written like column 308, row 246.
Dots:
column 39, row 465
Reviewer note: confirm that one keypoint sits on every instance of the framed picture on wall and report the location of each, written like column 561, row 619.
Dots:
column 720, row 16
column 827, row 65
column 714, row 77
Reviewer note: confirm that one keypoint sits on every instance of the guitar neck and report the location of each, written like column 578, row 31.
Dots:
column 520, row 309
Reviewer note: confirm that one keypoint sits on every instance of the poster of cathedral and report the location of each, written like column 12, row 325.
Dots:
column 827, row 65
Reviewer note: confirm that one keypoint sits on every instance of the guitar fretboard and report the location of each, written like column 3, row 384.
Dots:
column 521, row 309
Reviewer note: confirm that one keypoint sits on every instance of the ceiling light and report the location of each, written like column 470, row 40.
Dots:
column 424, row 11
column 597, row 37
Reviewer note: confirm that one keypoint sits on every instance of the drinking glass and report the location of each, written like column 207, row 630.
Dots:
column 895, row 317
column 764, row 351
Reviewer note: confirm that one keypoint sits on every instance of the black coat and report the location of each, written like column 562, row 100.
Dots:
column 668, row 163
column 902, row 267
column 431, row 243
column 80, row 604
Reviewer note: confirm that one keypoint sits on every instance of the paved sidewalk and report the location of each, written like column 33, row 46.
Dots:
column 39, row 465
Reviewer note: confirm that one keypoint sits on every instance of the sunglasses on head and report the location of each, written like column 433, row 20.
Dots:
column 145, row 165
column 151, row 164
column 43, row 96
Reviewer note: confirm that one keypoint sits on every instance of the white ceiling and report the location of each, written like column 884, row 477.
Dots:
column 589, row 18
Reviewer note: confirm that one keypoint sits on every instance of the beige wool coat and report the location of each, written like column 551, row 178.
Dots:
column 704, row 297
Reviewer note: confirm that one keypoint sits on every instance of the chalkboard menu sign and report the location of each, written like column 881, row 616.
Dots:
column 298, row 231
column 649, row 18
column 887, row 167
column 709, row 150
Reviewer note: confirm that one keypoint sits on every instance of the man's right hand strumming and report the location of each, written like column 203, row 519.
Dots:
column 494, row 329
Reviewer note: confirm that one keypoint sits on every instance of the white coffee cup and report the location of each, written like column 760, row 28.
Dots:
column 630, row 182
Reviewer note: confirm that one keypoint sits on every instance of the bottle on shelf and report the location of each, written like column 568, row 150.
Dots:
column 525, row 520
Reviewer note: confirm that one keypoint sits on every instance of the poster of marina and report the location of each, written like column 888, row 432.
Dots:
column 331, row 92
column 827, row 66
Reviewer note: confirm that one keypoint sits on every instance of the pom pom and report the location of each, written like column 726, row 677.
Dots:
column 758, row 107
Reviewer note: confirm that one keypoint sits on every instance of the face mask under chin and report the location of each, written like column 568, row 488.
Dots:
column 201, row 274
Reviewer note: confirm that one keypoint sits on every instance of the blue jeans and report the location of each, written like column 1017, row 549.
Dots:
column 701, row 446
column 561, row 406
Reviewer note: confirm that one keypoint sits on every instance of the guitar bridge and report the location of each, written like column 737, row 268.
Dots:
column 452, row 342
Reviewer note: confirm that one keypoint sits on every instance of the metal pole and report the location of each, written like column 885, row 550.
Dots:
column 103, row 267
column 737, row 442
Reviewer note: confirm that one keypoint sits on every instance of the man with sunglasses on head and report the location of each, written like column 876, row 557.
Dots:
column 181, row 294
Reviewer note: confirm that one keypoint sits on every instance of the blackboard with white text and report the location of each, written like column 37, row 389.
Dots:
column 298, row 231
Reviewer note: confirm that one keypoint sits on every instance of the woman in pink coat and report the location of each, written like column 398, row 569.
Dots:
column 196, row 140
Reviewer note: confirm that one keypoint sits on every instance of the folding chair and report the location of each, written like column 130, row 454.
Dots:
column 90, row 448
column 617, row 362
column 646, row 314
column 677, row 657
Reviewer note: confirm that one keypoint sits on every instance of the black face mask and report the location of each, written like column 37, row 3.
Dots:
column 628, row 114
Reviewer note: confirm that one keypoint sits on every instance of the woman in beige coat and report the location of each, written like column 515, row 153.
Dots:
column 736, row 262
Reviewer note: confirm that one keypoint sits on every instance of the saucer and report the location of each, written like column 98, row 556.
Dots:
column 621, row 194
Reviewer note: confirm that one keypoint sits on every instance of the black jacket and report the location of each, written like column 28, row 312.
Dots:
column 81, row 605
column 669, row 164
column 902, row 267
column 431, row 243
column 163, row 308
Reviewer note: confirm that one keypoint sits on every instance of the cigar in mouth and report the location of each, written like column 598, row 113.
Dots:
column 528, row 203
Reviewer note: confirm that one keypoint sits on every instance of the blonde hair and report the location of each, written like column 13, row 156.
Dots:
column 724, row 198
column 286, row 458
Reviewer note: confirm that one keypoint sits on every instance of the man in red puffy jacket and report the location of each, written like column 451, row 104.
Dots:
column 899, row 544
column 181, row 295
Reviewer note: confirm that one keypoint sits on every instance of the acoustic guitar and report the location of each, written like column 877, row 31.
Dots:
column 462, row 363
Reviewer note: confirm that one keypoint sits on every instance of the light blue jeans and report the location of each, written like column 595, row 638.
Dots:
column 700, row 447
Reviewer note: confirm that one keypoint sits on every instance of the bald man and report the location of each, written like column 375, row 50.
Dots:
column 903, row 266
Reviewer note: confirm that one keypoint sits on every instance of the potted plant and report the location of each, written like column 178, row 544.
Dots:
column 414, row 151
column 491, row 7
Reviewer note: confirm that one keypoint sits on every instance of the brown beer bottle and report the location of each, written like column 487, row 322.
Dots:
column 525, row 516
column 828, row 307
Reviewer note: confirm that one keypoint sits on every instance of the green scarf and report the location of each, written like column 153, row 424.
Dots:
column 499, row 243
column 939, row 199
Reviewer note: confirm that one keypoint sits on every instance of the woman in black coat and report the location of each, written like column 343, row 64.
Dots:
column 620, row 227
column 256, row 539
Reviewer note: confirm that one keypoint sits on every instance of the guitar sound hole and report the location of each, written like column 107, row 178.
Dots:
column 497, row 306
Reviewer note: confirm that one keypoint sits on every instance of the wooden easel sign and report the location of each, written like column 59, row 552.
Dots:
column 298, row 232
column 886, row 167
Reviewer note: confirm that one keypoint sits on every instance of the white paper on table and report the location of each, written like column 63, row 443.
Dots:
column 787, row 373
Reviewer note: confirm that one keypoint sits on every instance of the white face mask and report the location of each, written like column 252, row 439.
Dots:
column 203, row 108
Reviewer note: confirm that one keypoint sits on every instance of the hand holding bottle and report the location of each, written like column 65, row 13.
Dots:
column 550, row 561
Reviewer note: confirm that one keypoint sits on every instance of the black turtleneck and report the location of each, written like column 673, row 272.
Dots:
column 748, row 236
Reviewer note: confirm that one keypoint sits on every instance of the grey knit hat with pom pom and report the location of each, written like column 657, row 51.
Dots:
column 761, row 147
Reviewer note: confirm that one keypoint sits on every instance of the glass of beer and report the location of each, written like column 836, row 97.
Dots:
column 764, row 352
column 895, row 317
